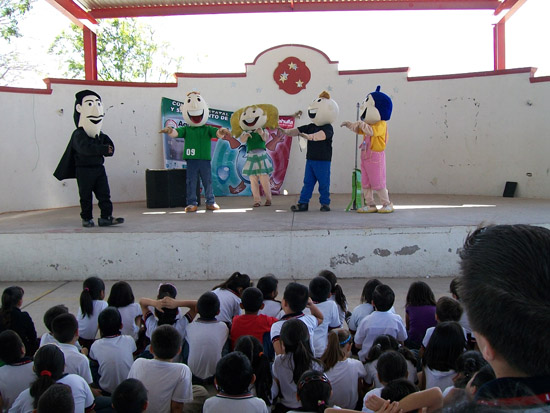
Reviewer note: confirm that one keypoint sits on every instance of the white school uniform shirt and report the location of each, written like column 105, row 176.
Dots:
column 230, row 305
column 344, row 377
column 341, row 312
column 128, row 315
column 271, row 308
column 48, row 338
column 87, row 326
column 375, row 324
column 359, row 312
column 377, row 392
column 164, row 382
column 430, row 331
column 76, row 362
column 436, row 378
column 115, row 358
column 331, row 319
column 14, row 378
column 282, row 370
column 82, row 395
column 309, row 320
column 206, row 340
column 372, row 373
column 235, row 404
column 151, row 324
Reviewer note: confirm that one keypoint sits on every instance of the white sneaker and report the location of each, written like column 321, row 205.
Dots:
column 386, row 209
column 367, row 209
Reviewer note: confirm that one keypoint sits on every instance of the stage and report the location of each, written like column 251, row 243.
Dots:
column 421, row 238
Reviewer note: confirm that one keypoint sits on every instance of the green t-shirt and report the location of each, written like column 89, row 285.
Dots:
column 254, row 142
column 197, row 141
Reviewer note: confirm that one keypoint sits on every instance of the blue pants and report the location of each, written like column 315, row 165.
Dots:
column 316, row 171
column 196, row 168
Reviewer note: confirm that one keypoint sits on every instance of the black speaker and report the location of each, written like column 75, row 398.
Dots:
column 510, row 189
column 167, row 188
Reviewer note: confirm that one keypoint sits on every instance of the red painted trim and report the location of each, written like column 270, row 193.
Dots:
column 512, row 5
column 52, row 81
column 90, row 54
column 9, row 89
column 373, row 71
column 530, row 70
column 72, row 11
column 539, row 79
column 499, row 45
column 208, row 75
column 293, row 45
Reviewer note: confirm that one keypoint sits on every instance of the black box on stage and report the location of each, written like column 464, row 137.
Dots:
column 167, row 188
column 510, row 189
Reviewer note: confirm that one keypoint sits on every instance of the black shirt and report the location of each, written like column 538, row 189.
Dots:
column 318, row 150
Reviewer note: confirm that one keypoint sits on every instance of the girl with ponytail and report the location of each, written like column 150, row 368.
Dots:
column 91, row 304
column 289, row 367
column 229, row 293
column 49, row 363
column 345, row 374
column 314, row 390
column 12, row 318
column 251, row 347
column 337, row 295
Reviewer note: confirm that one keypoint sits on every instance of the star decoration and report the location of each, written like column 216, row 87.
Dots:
column 292, row 75
column 293, row 66
column 259, row 90
column 299, row 83
column 284, row 76
column 350, row 81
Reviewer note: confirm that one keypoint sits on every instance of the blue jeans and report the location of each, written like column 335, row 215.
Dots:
column 196, row 168
column 316, row 171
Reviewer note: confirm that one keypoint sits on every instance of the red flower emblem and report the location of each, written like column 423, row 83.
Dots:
column 292, row 75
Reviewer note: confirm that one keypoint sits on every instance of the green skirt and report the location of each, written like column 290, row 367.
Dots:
column 257, row 164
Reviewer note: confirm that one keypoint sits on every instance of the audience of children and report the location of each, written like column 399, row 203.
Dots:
column 319, row 292
column 229, row 293
column 91, row 304
column 12, row 318
column 122, row 298
column 420, row 313
column 268, row 285
column 366, row 307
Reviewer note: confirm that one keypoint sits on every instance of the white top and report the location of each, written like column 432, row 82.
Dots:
column 48, row 338
column 151, row 324
column 341, row 312
column 82, row 395
column 206, row 340
column 230, row 305
column 87, row 326
column 377, row 391
column 309, row 320
column 331, row 319
column 164, row 382
column 436, row 378
column 465, row 322
column 128, row 315
column 237, row 404
column 359, row 312
column 282, row 370
column 13, row 380
column 344, row 378
column 430, row 331
column 375, row 324
column 271, row 308
column 372, row 373
column 76, row 362
column 115, row 358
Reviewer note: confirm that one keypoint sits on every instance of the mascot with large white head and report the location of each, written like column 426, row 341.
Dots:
column 374, row 111
column 322, row 112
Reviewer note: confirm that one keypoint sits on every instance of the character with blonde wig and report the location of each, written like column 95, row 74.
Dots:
column 248, row 124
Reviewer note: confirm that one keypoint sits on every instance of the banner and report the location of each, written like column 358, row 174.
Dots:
column 228, row 155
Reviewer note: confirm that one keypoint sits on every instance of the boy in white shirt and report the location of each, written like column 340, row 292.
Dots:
column 113, row 351
column 381, row 321
column 49, row 315
column 168, row 384
column 319, row 291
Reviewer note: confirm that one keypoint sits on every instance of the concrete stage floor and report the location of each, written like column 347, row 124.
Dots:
column 420, row 238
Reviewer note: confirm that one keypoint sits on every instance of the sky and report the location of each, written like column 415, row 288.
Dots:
column 428, row 42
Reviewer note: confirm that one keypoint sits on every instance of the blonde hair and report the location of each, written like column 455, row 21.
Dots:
column 337, row 340
column 270, row 110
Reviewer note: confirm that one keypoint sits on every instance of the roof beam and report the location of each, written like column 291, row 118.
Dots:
column 75, row 13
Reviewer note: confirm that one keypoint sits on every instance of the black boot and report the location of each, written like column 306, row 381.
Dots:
column 325, row 208
column 105, row 222
column 299, row 207
column 88, row 223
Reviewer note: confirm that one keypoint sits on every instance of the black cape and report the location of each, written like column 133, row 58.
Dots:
column 67, row 165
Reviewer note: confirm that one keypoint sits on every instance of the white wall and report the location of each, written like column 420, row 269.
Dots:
column 447, row 136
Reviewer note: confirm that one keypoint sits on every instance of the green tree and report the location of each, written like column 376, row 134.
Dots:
column 126, row 51
column 10, row 13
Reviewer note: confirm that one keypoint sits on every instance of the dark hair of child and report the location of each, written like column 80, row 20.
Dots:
column 319, row 289
column 391, row 366
column 58, row 398
column 448, row 309
column 453, row 287
column 168, row 315
column 296, row 295
column 397, row 389
column 64, row 327
column 252, row 299
column 446, row 344
column 236, row 283
column 251, row 347
column 208, row 306
column 12, row 348
column 368, row 289
column 268, row 286
column 336, row 343
column 53, row 312
column 385, row 342
column 467, row 365
column 484, row 375
column 93, row 288
column 295, row 338
column 130, row 396
column 109, row 322
column 10, row 300
column 234, row 374
column 383, row 297
column 419, row 294
column 336, row 289
column 121, row 295
column 49, row 363
column 314, row 391
column 165, row 342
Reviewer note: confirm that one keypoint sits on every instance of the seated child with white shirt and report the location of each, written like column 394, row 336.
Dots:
column 58, row 398
column 130, row 396
column 314, row 390
column 113, row 351
column 268, row 285
column 49, row 315
column 319, row 291
column 446, row 309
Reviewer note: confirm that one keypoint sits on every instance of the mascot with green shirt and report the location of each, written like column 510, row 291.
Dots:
column 197, row 148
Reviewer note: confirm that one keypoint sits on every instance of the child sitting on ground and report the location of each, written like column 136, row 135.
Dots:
column 381, row 321
column 467, row 365
column 234, row 376
column 268, row 285
column 17, row 373
column 337, row 295
column 261, row 366
column 319, row 291
column 168, row 384
column 91, row 304
column 420, row 313
column 446, row 309
column 49, row 315
column 229, row 293
column 12, row 318
column 366, row 307
column 122, row 298
column 130, row 396
column 206, row 338
column 58, row 398
column 113, row 351
column 314, row 390
column 251, row 323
